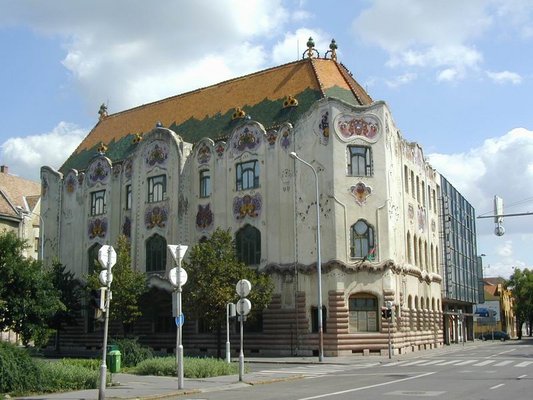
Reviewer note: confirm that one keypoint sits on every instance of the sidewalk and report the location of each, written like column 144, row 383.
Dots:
column 127, row 386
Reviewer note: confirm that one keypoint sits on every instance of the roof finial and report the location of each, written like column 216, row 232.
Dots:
column 102, row 148
column 238, row 114
column 333, row 50
column 290, row 102
column 102, row 111
column 311, row 51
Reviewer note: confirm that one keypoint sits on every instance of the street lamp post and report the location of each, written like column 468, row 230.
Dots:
column 318, row 260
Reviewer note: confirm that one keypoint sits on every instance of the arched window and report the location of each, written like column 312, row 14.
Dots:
column 248, row 245
column 156, row 253
column 410, row 301
column 363, row 313
column 92, row 258
column 362, row 240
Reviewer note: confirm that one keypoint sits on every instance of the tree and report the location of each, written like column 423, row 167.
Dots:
column 70, row 294
column 128, row 286
column 521, row 285
column 213, row 271
column 29, row 296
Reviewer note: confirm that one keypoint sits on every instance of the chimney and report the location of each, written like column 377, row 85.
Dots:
column 4, row 169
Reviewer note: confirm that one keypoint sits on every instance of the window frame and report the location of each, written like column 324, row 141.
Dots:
column 248, row 245
column 366, row 240
column 156, row 258
column 205, row 183
column 129, row 197
column 157, row 188
column 247, row 175
column 98, row 202
column 362, row 159
column 363, row 316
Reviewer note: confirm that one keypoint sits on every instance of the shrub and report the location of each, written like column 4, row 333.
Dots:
column 192, row 367
column 132, row 352
column 67, row 375
column 18, row 372
column 22, row 375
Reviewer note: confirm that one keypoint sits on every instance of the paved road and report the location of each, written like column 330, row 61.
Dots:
column 487, row 371
column 479, row 370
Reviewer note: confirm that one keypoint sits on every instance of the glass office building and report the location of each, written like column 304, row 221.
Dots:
column 460, row 266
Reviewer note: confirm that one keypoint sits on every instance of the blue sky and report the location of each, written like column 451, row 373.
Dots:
column 457, row 76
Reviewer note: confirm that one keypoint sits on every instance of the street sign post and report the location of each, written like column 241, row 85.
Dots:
column 244, row 306
column 107, row 257
column 178, row 277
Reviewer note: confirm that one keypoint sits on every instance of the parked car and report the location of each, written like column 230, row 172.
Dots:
column 498, row 335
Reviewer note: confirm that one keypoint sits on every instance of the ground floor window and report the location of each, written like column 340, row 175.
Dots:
column 363, row 313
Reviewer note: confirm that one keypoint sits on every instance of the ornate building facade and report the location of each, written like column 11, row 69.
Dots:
column 172, row 171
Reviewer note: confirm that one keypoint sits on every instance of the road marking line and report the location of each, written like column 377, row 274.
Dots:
column 524, row 364
column 497, row 386
column 432, row 362
column 483, row 363
column 366, row 387
column 466, row 362
column 413, row 363
column 449, row 362
column 502, row 363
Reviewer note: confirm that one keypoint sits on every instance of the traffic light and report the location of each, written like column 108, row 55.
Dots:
column 498, row 216
column 97, row 298
column 386, row 313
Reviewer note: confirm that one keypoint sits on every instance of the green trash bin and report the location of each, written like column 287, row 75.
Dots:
column 113, row 361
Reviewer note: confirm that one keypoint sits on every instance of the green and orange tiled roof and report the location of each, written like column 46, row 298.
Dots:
column 208, row 112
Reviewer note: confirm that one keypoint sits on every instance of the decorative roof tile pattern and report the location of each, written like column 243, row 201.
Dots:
column 207, row 112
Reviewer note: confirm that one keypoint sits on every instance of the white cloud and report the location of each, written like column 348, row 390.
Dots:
column 26, row 155
column 500, row 166
column 109, row 45
column 401, row 80
column 505, row 77
column 294, row 44
column 427, row 34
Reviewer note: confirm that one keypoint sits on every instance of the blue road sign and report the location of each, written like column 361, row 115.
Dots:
column 180, row 320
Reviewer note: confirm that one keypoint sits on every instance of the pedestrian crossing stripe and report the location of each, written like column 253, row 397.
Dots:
column 458, row 362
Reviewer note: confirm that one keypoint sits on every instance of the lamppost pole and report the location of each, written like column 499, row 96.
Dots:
column 318, row 259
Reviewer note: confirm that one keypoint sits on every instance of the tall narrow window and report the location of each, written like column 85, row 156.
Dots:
column 406, row 178
column 413, row 192
column 362, row 240
column 417, row 189
column 157, row 188
column 98, row 202
column 128, row 197
column 156, row 253
column 360, row 161
column 363, row 313
column 205, row 183
column 247, row 175
column 248, row 245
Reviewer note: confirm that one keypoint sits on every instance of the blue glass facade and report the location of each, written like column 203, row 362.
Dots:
column 460, row 262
